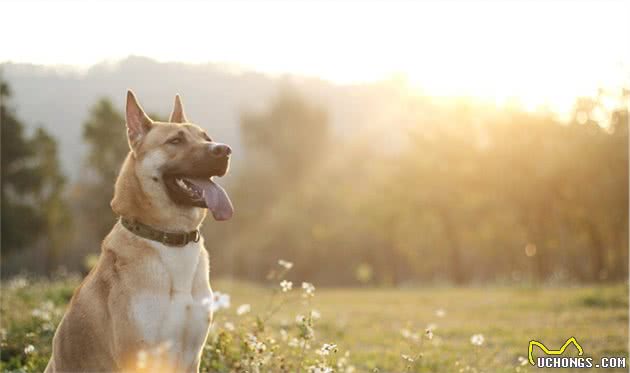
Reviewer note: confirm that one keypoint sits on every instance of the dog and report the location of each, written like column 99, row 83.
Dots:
column 145, row 305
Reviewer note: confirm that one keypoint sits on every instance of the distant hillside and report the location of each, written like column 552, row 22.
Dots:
column 59, row 98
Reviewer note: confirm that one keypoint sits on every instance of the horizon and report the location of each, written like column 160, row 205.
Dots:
column 495, row 57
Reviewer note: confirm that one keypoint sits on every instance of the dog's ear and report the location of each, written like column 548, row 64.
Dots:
column 138, row 122
column 178, row 116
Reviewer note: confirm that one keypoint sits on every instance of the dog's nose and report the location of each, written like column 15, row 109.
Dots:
column 220, row 150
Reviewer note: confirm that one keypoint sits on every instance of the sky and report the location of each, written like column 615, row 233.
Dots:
column 535, row 52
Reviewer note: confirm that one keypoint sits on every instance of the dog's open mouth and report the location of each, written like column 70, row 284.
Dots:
column 200, row 192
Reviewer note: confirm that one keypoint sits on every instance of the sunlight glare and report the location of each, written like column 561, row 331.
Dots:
column 539, row 54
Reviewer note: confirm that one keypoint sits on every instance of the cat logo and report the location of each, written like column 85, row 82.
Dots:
column 553, row 352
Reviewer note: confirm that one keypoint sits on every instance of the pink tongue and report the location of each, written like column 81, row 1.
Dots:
column 216, row 198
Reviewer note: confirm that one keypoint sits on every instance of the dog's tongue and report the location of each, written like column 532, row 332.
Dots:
column 216, row 198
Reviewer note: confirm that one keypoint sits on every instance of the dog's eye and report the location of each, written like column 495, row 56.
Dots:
column 175, row 141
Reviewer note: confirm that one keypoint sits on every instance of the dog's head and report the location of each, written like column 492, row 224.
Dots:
column 176, row 160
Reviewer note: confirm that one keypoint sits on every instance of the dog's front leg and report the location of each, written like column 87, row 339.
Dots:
column 201, row 317
column 163, row 323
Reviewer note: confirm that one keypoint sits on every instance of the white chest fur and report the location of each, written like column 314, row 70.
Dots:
column 172, row 313
column 180, row 264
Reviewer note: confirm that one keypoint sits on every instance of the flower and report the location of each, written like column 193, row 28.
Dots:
column 407, row 358
column 315, row 315
column 29, row 349
column 45, row 311
column 18, row 282
column 440, row 312
column 326, row 349
column 309, row 289
column 254, row 344
column 222, row 300
column 522, row 360
column 294, row 342
column 477, row 339
column 41, row 314
column 406, row 333
column 229, row 326
column 285, row 264
column 320, row 369
column 216, row 302
column 286, row 285
column 300, row 319
column 243, row 309
column 429, row 333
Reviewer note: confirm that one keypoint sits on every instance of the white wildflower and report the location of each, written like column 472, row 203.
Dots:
column 286, row 285
column 216, row 302
column 407, row 358
column 304, row 344
column 522, row 360
column 326, row 349
column 285, row 264
column 243, row 309
column 254, row 344
column 300, row 319
column 477, row 339
column 406, row 333
column 294, row 342
column 18, row 282
column 229, row 326
column 41, row 314
column 44, row 312
column 320, row 369
column 309, row 289
column 315, row 315
column 429, row 333
column 29, row 349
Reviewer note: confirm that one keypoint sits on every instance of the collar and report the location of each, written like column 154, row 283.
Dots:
column 169, row 239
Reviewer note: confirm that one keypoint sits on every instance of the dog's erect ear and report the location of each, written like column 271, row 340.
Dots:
column 138, row 122
column 178, row 116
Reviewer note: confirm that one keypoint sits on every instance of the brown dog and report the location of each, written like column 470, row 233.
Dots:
column 144, row 307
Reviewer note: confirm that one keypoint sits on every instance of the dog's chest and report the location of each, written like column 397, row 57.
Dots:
column 179, row 264
column 169, row 312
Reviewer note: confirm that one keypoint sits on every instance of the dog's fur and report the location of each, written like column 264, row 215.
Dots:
column 142, row 307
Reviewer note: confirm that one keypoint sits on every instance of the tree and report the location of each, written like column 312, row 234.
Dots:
column 50, row 197
column 289, row 137
column 105, row 133
column 21, row 224
column 33, row 206
column 283, row 144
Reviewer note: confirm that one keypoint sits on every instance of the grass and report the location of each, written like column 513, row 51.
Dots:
column 376, row 326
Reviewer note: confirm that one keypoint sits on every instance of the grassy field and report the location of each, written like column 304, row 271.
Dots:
column 372, row 328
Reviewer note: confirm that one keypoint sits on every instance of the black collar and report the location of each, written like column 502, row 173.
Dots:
column 170, row 239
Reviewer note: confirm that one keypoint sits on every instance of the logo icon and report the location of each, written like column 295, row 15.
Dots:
column 553, row 352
